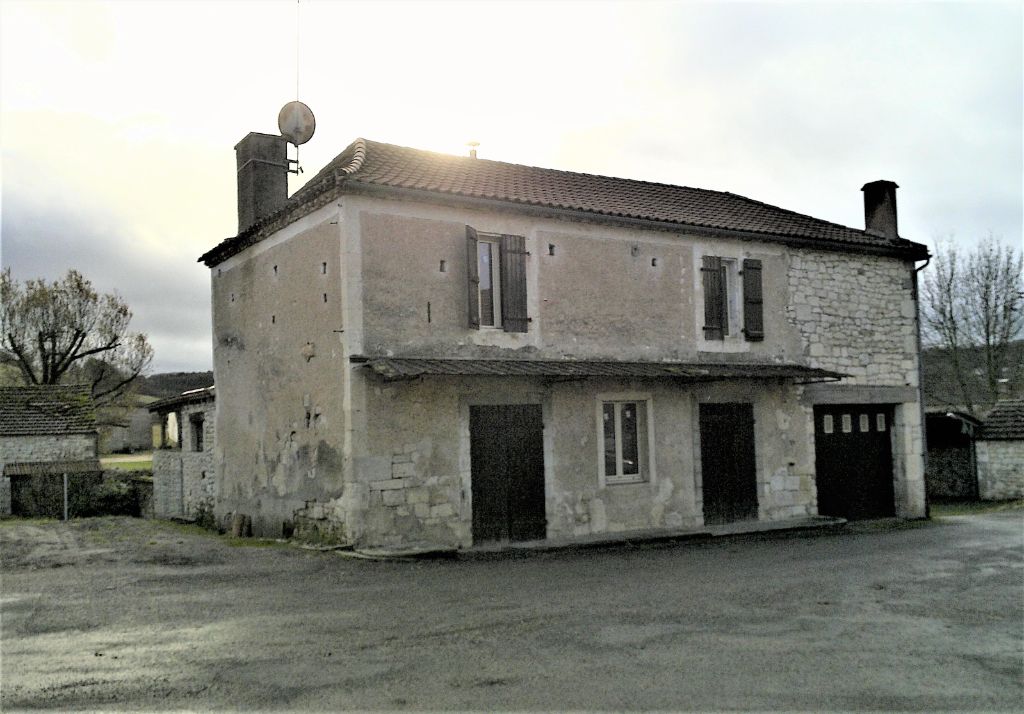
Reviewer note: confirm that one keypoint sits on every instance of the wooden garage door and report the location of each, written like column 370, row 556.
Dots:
column 507, row 465
column 853, row 460
column 728, row 469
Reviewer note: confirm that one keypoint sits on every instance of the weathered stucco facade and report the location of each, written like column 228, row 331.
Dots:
column 313, row 434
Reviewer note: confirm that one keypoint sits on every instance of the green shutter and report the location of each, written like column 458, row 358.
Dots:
column 714, row 298
column 753, row 301
column 513, row 284
column 472, row 279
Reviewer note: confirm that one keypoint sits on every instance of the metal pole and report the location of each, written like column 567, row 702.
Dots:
column 65, row 497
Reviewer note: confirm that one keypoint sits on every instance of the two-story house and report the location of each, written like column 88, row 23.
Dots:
column 418, row 347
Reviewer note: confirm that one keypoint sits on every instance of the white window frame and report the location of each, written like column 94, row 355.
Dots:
column 495, row 244
column 645, row 441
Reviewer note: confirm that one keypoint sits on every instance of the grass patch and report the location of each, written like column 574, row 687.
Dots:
column 139, row 465
column 19, row 521
column 192, row 529
column 967, row 508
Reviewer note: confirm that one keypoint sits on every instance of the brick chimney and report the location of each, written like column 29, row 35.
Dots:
column 262, row 161
column 880, row 208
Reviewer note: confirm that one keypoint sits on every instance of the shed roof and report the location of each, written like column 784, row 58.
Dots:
column 1005, row 421
column 32, row 468
column 192, row 396
column 394, row 368
column 415, row 173
column 46, row 409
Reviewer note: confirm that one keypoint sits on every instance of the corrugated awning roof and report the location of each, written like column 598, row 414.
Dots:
column 32, row 468
column 394, row 368
column 192, row 396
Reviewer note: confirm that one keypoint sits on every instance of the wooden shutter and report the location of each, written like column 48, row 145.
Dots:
column 513, row 284
column 472, row 279
column 714, row 298
column 753, row 302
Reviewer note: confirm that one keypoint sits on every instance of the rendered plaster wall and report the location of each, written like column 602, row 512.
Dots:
column 278, row 366
column 18, row 449
column 597, row 292
column 414, row 474
column 184, row 481
column 1000, row 469
column 856, row 314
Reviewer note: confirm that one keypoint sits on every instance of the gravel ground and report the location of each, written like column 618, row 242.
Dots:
column 116, row 613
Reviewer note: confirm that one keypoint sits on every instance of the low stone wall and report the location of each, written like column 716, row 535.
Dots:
column 1000, row 469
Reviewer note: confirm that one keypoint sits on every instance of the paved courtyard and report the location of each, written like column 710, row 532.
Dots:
column 131, row 614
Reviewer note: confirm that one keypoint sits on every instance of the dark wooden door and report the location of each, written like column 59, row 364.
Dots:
column 853, row 460
column 507, row 464
column 728, row 470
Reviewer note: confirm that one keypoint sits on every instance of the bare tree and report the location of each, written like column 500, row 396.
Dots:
column 65, row 331
column 972, row 305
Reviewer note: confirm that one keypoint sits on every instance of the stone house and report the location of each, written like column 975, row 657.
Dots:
column 1000, row 452
column 46, row 432
column 422, row 348
column 184, row 483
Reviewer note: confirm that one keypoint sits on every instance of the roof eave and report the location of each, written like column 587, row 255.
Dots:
column 337, row 186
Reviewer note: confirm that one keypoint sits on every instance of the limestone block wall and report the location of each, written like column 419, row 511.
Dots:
column 15, row 449
column 856, row 314
column 1000, row 469
column 184, row 480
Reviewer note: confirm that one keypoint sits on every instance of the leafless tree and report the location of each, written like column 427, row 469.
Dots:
column 972, row 305
column 65, row 331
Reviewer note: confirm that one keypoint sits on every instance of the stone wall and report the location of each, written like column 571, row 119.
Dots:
column 1000, row 469
column 17, row 449
column 184, row 481
column 856, row 315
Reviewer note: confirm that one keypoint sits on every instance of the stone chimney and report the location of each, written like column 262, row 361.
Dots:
column 880, row 208
column 262, row 161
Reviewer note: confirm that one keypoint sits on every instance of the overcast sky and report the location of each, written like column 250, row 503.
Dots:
column 119, row 118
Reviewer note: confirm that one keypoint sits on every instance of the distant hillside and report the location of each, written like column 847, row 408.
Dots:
column 171, row 384
column 941, row 388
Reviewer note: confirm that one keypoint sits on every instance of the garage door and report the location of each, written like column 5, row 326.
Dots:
column 853, row 455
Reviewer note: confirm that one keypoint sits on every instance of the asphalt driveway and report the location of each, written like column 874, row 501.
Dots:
column 131, row 614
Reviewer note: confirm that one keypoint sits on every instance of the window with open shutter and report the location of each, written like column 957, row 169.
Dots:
column 513, row 284
column 714, row 298
column 472, row 279
column 753, row 302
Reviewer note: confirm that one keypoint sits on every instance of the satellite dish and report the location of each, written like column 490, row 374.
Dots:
column 296, row 122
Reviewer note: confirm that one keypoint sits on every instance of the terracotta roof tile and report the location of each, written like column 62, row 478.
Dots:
column 1005, row 421
column 386, row 166
column 46, row 409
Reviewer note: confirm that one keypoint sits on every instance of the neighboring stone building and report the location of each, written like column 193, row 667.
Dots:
column 1000, row 448
column 426, row 348
column 46, row 431
column 184, row 484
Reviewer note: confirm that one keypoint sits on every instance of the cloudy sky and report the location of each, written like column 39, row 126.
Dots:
column 119, row 118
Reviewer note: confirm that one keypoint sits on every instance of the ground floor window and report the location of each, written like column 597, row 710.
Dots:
column 624, row 440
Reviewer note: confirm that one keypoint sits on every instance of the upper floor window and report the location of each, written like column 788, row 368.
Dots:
column 496, row 281
column 733, row 302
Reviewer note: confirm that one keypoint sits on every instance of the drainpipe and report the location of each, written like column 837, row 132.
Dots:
column 920, row 386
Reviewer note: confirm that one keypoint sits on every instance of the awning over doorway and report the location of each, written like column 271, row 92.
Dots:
column 397, row 368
